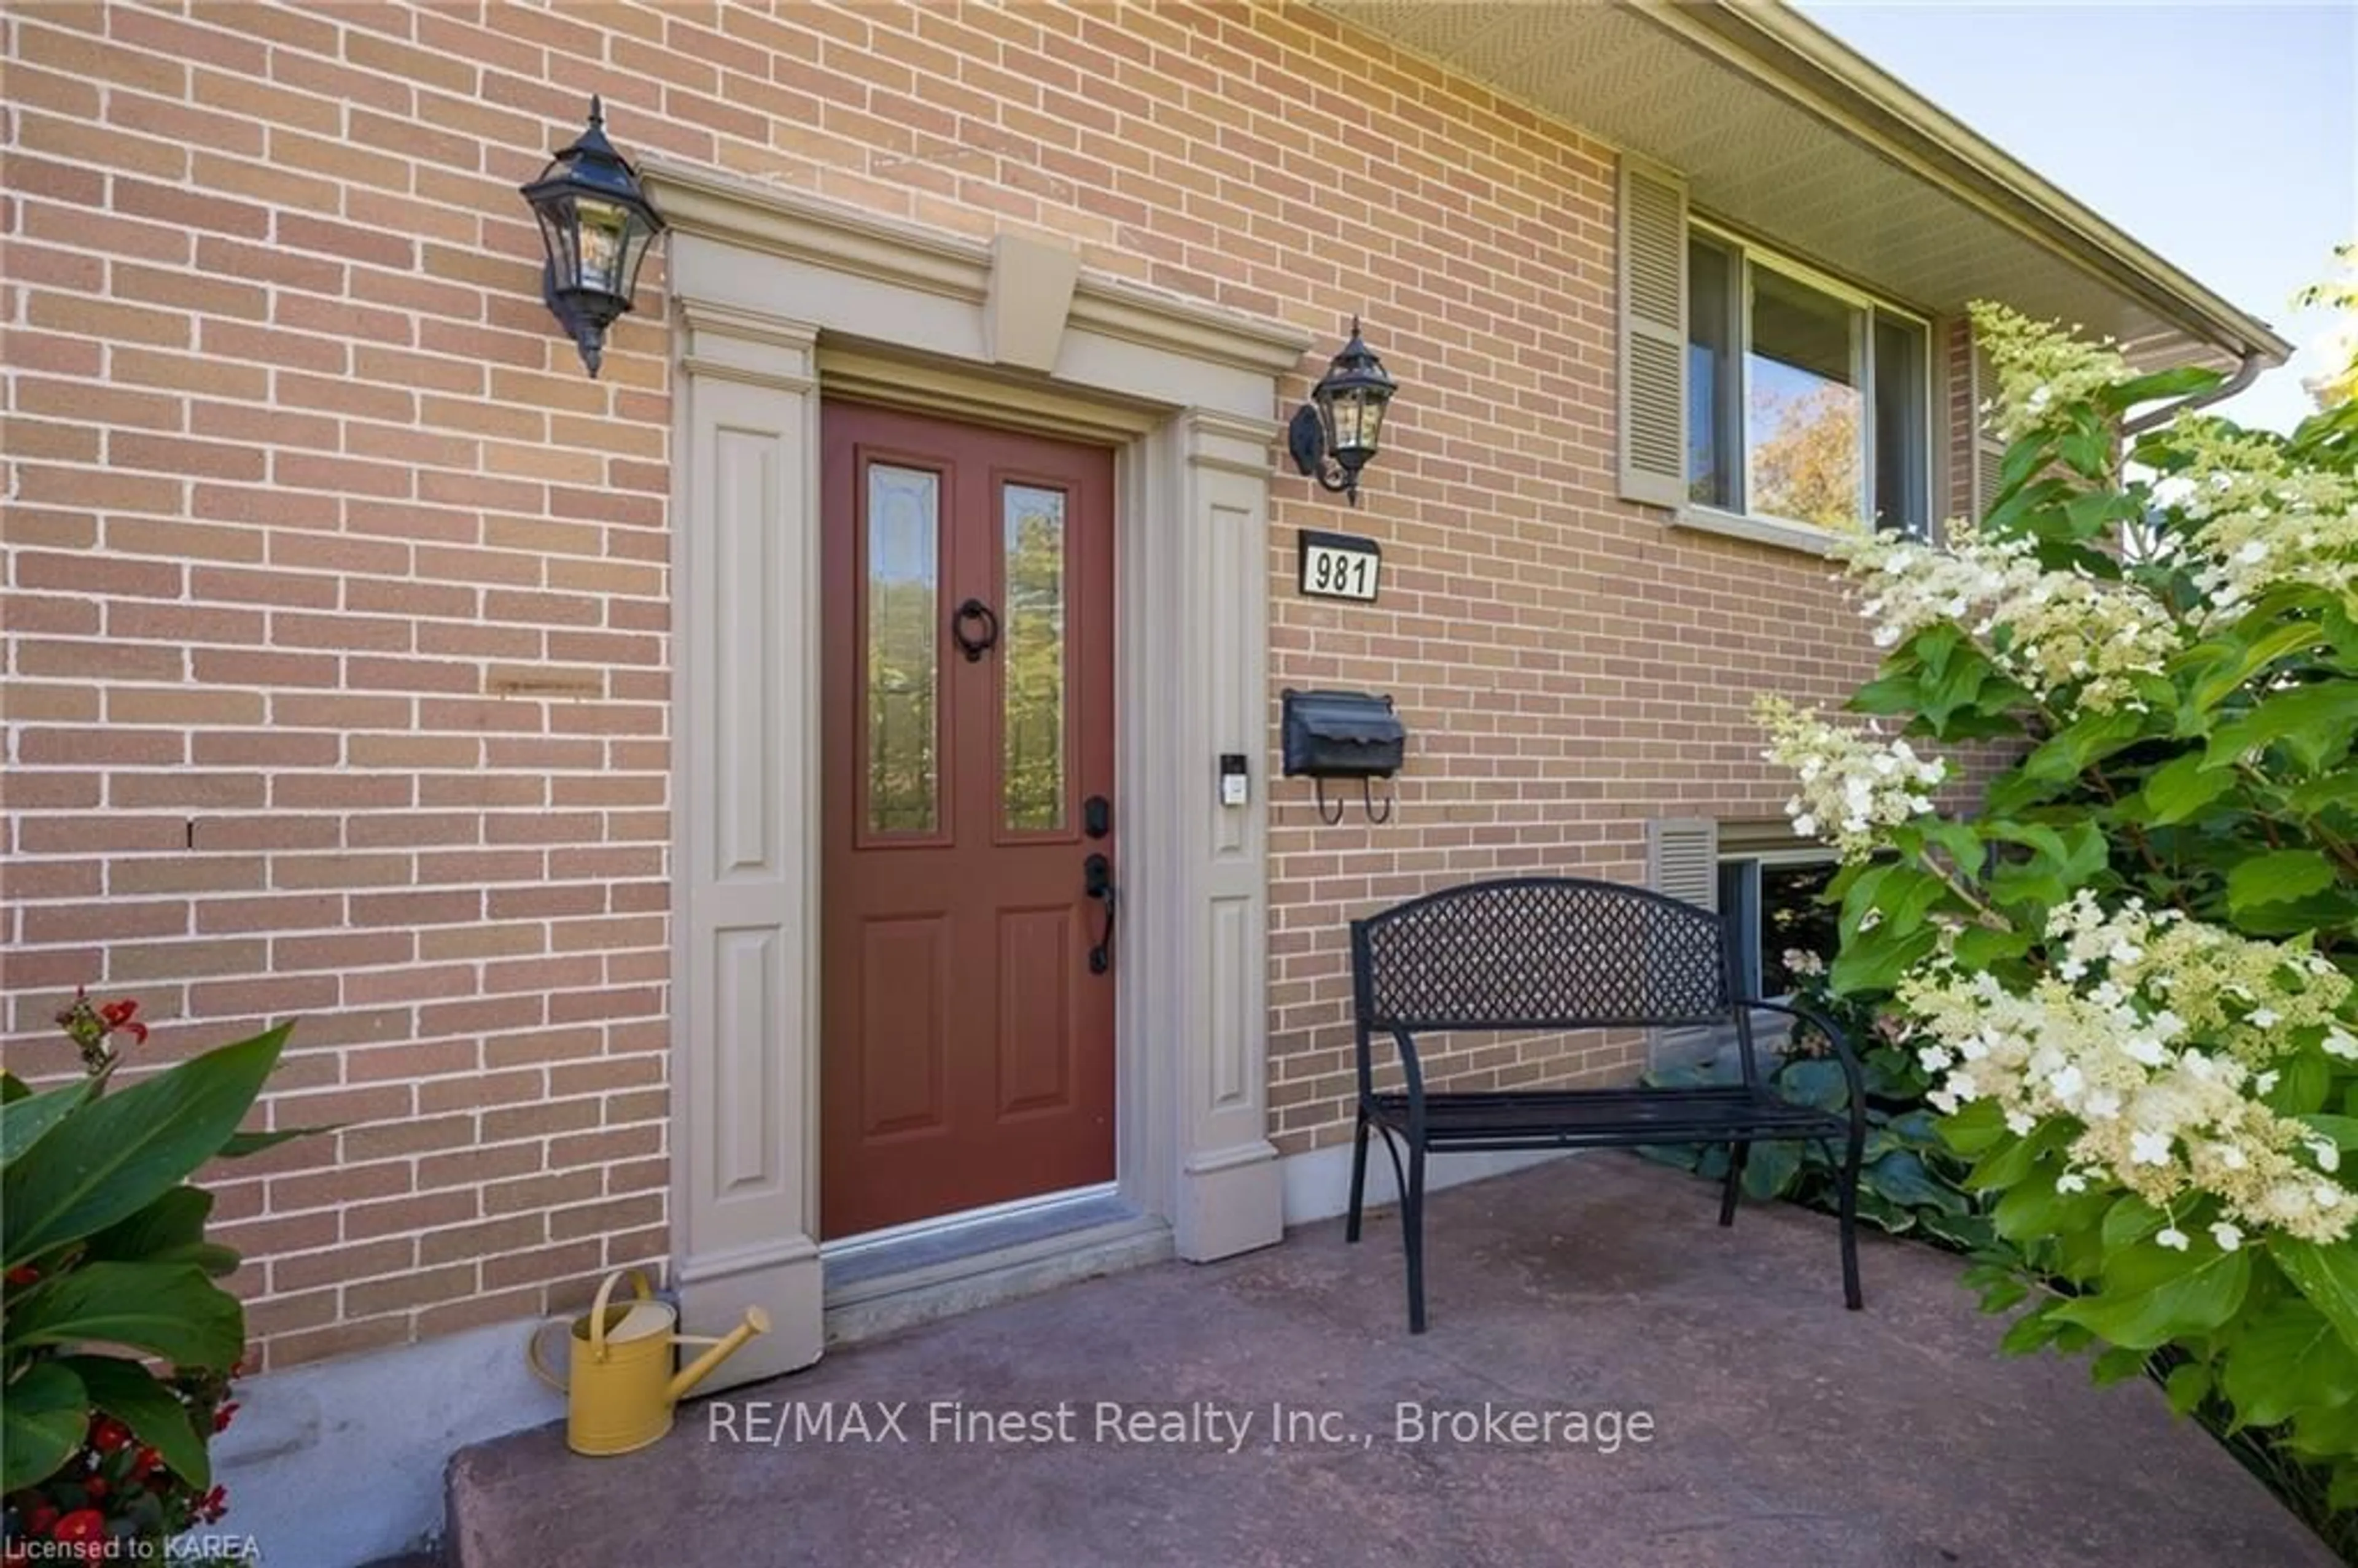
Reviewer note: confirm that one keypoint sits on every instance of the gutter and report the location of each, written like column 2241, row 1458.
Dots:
column 1793, row 55
column 2246, row 372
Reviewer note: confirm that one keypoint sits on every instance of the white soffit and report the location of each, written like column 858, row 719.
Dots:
column 1688, row 86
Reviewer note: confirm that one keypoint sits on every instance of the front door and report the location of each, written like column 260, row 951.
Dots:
column 968, row 869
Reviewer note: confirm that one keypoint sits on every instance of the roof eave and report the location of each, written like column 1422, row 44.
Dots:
column 1780, row 47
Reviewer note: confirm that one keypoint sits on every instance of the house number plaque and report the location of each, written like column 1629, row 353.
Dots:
column 1339, row 566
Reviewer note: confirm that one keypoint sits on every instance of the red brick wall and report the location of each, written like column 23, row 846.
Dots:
column 323, row 550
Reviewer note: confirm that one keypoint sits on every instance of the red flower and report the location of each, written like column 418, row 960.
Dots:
column 24, row 1274
column 212, row 1504
column 221, row 1416
column 40, row 1517
column 108, row 1434
column 96, row 1487
column 146, row 1462
column 83, row 1526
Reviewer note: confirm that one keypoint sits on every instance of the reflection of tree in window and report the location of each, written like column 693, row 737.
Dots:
column 1032, row 665
column 904, row 610
column 1791, row 917
column 1806, row 456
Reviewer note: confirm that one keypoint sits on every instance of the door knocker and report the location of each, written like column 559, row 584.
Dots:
column 974, row 610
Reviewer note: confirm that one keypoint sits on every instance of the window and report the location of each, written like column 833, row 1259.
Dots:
column 1771, row 902
column 1805, row 401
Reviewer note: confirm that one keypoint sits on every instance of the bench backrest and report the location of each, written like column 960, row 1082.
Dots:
column 1540, row 953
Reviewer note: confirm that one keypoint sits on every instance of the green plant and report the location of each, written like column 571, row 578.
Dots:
column 1910, row 1181
column 104, row 1245
column 2129, row 969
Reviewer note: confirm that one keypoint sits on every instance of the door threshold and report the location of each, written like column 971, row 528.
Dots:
column 888, row 1281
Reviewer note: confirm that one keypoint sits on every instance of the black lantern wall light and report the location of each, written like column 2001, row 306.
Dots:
column 598, row 226
column 1334, row 434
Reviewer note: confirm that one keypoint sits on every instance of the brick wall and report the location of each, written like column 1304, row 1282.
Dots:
column 337, row 600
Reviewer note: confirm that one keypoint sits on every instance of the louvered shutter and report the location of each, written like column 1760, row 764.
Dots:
column 1653, row 334
column 1989, row 452
column 1682, row 860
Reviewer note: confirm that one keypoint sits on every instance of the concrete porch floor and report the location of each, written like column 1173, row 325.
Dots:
column 1786, row 1431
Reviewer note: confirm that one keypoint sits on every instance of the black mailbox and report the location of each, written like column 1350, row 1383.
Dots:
column 1343, row 735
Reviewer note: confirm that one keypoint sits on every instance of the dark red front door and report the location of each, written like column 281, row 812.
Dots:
column 968, row 1056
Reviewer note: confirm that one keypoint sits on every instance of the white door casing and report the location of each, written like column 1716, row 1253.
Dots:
column 778, row 296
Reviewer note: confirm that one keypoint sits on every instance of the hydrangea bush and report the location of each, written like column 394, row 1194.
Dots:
column 2129, row 970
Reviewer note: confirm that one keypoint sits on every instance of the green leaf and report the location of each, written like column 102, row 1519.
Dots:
column 1816, row 1081
column 2182, row 786
column 2327, row 1277
column 2123, row 395
column 1876, row 962
column 2188, row 1385
column 1903, row 1177
column 12, row 1087
column 169, row 1230
column 169, row 1309
column 2152, row 1294
column 2117, row 1365
column 2238, row 661
column 2315, row 722
column 2278, row 876
column 25, row 1119
column 2284, row 1358
column 1974, row 1128
column 2129, row 1219
column 41, row 1424
column 2007, row 1164
column 241, row 1144
column 2032, row 1330
column 118, row 1154
column 127, row 1391
column 1769, row 1168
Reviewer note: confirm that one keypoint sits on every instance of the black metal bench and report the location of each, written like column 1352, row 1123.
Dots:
column 1550, row 953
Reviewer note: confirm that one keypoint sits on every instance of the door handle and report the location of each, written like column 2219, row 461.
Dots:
column 1097, row 881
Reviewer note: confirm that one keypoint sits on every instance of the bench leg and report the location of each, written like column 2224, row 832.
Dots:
column 1737, row 1155
column 1358, row 1178
column 1413, row 1233
column 1851, row 1157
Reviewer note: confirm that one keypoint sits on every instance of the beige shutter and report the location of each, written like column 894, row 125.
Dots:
column 1989, row 452
column 1653, row 334
column 1682, row 860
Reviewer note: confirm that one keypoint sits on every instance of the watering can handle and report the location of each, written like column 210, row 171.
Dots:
column 532, row 1354
column 605, row 1294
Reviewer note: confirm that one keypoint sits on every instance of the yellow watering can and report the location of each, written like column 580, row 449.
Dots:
column 622, row 1386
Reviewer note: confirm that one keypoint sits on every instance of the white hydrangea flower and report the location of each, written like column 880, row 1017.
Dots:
column 2170, row 1236
column 2227, row 1235
column 1850, row 778
column 2142, row 1036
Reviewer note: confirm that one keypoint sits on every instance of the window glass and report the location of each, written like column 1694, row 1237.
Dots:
column 1713, row 443
column 1793, row 919
column 1899, row 436
column 904, row 591
column 1032, row 718
column 1805, row 457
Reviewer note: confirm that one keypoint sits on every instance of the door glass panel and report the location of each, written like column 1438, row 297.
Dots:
column 1032, row 723
column 903, row 614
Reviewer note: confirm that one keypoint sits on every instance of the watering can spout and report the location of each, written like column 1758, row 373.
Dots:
column 756, row 1321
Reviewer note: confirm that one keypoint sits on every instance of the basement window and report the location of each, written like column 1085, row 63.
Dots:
column 1771, row 898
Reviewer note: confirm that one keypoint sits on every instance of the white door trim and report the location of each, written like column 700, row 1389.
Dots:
column 780, row 296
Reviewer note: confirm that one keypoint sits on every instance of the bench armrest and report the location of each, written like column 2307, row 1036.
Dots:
column 1409, row 1067
column 1853, row 1076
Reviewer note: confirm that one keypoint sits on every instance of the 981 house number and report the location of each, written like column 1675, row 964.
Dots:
column 1339, row 566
